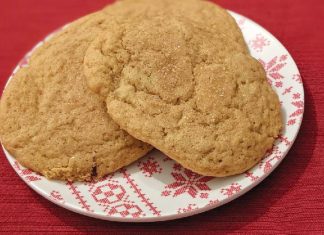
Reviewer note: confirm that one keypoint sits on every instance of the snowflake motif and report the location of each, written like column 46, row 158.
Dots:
column 268, row 153
column 95, row 182
column 57, row 196
column 203, row 195
column 273, row 67
column 296, row 96
column 291, row 122
column 298, row 103
column 284, row 140
column 186, row 181
column 251, row 176
column 113, row 198
column 78, row 196
column 278, row 84
column 287, row 90
column 165, row 193
column 300, row 108
column 27, row 174
column 259, row 43
column 144, row 198
column 149, row 167
column 125, row 210
column 230, row 191
column 267, row 164
column 271, row 155
column 275, row 151
column 297, row 78
column 190, row 207
column 109, row 193
column 177, row 167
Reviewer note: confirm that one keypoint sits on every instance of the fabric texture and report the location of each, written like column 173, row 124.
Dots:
column 289, row 201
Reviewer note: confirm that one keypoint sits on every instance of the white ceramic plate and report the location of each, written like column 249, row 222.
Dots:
column 156, row 188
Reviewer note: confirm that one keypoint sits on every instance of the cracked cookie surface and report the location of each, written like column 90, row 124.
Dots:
column 52, row 123
column 191, row 91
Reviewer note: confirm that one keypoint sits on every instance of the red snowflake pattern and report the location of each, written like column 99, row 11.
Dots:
column 298, row 103
column 274, row 154
column 259, row 42
column 274, row 151
column 56, row 195
column 27, row 174
column 149, row 167
column 94, row 182
column 251, row 176
column 296, row 96
column 269, row 152
column 278, row 84
column 287, row 90
column 188, row 208
column 298, row 78
column 126, row 210
column 284, row 140
column 177, row 167
column 186, row 181
column 113, row 198
column 291, row 122
column 204, row 195
column 109, row 193
column 165, row 193
column 78, row 196
column 300, row 108
column 231, row 190
column 144, row 198
column 266, row 165
column 273, row 68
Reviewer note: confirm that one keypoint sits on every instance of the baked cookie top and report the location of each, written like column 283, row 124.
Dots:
column 52, row 123
column 203, row 14
column 190, row 90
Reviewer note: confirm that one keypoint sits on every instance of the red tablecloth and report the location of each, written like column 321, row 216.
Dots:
column 290, row 200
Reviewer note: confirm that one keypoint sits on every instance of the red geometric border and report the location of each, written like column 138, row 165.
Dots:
column 141, row 195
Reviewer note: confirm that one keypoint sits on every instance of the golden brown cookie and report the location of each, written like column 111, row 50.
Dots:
column 52, row 123
column 191, row 91
column 203, row 14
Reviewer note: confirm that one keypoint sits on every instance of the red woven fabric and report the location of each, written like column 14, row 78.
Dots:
column 290, row 200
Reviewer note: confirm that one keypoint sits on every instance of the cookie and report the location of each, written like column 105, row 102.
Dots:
column 190, row 90
column 52, row 123
column 203, row 14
